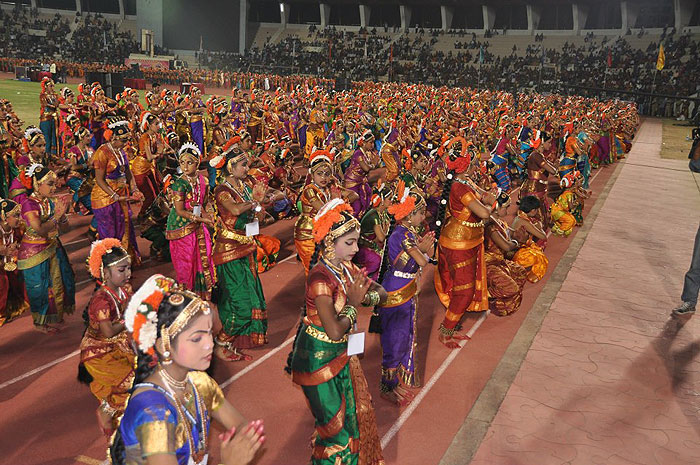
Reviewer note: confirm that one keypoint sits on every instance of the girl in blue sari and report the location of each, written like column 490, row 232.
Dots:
column 173, row 400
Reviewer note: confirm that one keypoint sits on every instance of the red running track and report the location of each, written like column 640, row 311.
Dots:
column 49, row 418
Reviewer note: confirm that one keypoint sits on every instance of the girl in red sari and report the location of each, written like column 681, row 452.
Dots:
column 461, row 281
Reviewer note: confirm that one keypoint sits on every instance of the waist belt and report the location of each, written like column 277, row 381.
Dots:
column 226, row 234
column 322, row 336
column 401, row 274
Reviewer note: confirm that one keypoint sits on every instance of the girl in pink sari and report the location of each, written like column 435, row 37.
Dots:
column 190, row 241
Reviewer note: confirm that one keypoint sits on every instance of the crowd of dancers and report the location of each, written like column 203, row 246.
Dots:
column 384, row 180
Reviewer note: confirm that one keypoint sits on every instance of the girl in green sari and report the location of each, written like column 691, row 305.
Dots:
column 240, row 298
column 331, row 379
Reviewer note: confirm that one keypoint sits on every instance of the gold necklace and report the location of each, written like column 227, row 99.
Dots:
column 179, row 385
column 197, row 454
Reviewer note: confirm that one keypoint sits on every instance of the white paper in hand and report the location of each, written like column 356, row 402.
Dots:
column 252, row 229
column 197, row 210
column 356, row 343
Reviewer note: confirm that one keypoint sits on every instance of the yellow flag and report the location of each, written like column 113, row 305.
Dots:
column 661, row 60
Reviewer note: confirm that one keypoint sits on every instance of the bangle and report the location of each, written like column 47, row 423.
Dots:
column 114, row 195
column 371, row 299
column 350, row 313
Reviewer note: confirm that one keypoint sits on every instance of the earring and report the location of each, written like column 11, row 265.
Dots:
column 165, row 359
column 329, row 250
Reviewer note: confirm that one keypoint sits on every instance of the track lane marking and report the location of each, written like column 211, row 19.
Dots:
column 426, row 389
column 38, row 369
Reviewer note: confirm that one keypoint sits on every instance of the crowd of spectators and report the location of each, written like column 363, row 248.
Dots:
column 612, row 64
column 90, row 39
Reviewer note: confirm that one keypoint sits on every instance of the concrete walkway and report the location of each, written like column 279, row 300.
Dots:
column 610, row 377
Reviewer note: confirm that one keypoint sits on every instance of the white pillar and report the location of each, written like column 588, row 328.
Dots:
column 33, row 4
column 489, row 13
column 149, row 15
column 629, row 11
column 284, row 14
column 580, row 14
column 243, row 26
column 534, row 13
column 121, row 8
column 365, row 11
column 78, row 6
column 325, row 10
column 405, row 12
column 683, row 10
column 447, row 13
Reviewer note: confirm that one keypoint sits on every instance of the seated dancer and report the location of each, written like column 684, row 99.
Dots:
column 114, row 189
column 461, row 281
column 526, row 230
column 373, row 232
column 405, row 254
column 505, row 278
column 173, row 401
column 106, row 356
column 81, row 178
column 240, row 297
column 13, row 297
column 47, row 273
column 332, row 380
column 567, row 210
column 319, row 190
column 190, row 241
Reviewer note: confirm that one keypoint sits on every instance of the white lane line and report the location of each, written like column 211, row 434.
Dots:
column 424, row 392
column 287, row 259
column 255, row 364
column 84, row 239
column 38, row 369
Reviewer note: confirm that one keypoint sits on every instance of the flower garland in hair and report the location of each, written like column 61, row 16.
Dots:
column 219, row 161
column 141, row 315
column 327, row 216
column 405, row 202
column 97, row 251
column 189, row 148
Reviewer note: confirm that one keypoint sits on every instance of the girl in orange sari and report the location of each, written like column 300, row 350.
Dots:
column 461, row 278
column 106, row 356
column 527, row 230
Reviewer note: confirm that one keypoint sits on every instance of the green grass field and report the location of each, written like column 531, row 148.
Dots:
column 25, row 98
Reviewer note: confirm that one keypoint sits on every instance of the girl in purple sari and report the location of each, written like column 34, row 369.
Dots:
column 405, row 254
column 113, row 190
column 356, row 176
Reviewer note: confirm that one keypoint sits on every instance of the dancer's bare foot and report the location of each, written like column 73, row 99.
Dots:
column 395, row 398
column 231, row 355
column 448, row 341
column 104, row 420
column 460, row 337
column 46, row 329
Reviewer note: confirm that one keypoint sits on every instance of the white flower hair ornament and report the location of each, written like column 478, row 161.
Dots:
column 31, row 132
column 31, row 169
column 141, row 315
column 189, row 147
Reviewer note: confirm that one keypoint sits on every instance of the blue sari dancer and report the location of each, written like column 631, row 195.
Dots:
column 47, row 273
column 81, row 178
column 173, row 400
column 583, row 164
